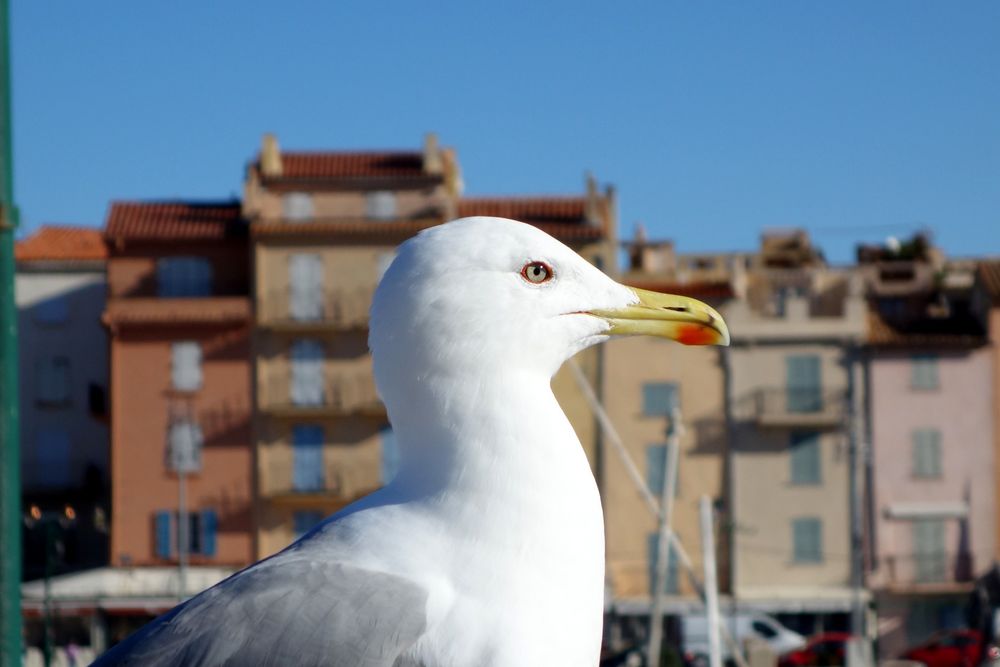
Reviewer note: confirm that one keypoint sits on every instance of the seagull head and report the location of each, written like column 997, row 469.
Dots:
column 489, row 295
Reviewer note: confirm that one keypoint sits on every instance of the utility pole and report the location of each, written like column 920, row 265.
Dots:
column 10, row 441
column 665, row 533
column 711, row 582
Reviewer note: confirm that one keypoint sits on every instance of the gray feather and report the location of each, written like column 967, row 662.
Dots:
column 287, row 610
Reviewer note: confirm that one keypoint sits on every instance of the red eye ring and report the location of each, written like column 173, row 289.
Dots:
column 537, row 273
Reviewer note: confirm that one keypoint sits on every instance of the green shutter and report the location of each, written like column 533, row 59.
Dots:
column 924, row 372
column 928, row 550
column 803, row 383
column 926, row 453
column 652, row 550
column 805, row 458
column 807, row 540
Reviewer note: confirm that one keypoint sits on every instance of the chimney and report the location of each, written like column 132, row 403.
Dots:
column 270, row 157
column 433, row 164
column 591, row 209
column 452, row 172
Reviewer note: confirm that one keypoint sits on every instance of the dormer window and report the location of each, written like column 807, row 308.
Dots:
column 297, row 206
column 183, row 277
column 381, row 205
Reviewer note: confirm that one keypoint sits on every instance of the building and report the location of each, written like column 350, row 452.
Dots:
column 644, row 380
column 795, row 401
column 933, row 412
column 60, row 292
column 323, row 228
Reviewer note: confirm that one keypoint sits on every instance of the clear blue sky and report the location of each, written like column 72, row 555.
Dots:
column 856, row 120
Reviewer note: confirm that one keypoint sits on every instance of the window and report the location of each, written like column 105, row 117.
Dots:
column 928, row 550
column 803, row 383
column 656, row 459
column 305, row 286
column 807, row 540
column 381, row 205
column 97, row 400
column 201, row 534
column 764, row 630
column 53, row 382
column 185, row 365
column 382, row 262
column 307, row 373
column 52, row 457
column 183, row 277
column 652, row 550
column 52, row 311
column 307, row 457
column 184, row 445
column 924, row 372
column 305, row 520
column 805, row 457
column 297, row 206
column 390, row 454
column 659, row 398
column 926, row 453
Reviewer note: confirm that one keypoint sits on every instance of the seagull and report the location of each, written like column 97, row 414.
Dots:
column 487, row 548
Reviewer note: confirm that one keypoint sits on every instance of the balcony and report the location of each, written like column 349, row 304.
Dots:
column 809, row 407
column 322, row 309
column 331, row 394
column 929, row 573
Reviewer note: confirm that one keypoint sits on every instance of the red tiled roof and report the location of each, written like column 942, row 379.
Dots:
column 330, row 165
column 989, row 273
column 214, row 310
column 52, row 243
column 526, row 209
column 946, row 332
column 360, row 229
column 696, row 290
column 174, row 221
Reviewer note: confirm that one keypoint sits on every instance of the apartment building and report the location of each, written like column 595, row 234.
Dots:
column 795, row 396
column 60, row 292
column 645, row 379
column 933, row 417
column 986, row 304
column 324, row 227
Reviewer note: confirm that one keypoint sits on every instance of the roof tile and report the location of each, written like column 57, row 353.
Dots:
column 59, row 243
column 342, row 164
column 174, row 221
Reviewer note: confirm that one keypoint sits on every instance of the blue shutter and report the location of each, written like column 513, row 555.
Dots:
column 805, row 458
column 209, row 524
column 659, row 398
column 803, row 383
column 307, row 457
column 164, row 548
column 656, row 459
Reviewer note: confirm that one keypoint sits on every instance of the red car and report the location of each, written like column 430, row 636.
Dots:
column 823, row 650
column 951, row 648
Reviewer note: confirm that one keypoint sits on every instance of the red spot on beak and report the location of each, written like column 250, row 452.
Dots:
column 696, row 334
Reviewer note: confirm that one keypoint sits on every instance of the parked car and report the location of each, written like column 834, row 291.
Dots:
column 822, row 650
column 742, row 626
column 950, row 648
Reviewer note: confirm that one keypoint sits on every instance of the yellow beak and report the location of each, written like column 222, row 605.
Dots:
column 679, row 318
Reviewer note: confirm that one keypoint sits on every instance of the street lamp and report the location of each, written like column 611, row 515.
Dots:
column 53, row 523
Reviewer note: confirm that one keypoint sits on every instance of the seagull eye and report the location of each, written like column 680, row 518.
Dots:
column 536, row 272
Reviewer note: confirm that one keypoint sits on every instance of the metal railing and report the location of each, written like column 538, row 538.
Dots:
column 335, row 392
column 928, row 569
column 338, row 308
column 799, row 406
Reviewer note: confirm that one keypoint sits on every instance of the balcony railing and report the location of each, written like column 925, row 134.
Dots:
column 932, row 570
column 799, row 407
column 320, row 308
column 329, row 394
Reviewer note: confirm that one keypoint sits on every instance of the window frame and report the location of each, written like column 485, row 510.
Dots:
column 801, row 557
column 929, row 364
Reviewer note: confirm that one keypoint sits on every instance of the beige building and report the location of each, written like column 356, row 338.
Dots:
column 324, row 226
column 795, row 382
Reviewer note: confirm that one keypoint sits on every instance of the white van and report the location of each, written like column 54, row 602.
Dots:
column 741, row 626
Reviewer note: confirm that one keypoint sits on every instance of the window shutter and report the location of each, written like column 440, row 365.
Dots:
column 803, row 383
column 164, row 548
column 670, row 585
column 659, row 398
column 307, row 457
column 381, row 205
column 307, row 373
column 297, row 206
column 926, row 453
column 185, row 366
column 305, row 285
column 209, row 522
column 805, row 458
column 807, row 540
column 924, row 372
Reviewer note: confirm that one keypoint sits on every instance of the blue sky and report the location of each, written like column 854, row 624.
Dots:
column 855, row 120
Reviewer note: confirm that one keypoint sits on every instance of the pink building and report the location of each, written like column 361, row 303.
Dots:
column 933, row 519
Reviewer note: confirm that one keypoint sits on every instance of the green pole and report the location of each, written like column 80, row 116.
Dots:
column 10, row 463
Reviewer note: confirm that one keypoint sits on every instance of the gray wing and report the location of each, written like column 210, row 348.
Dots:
column 286, row 611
